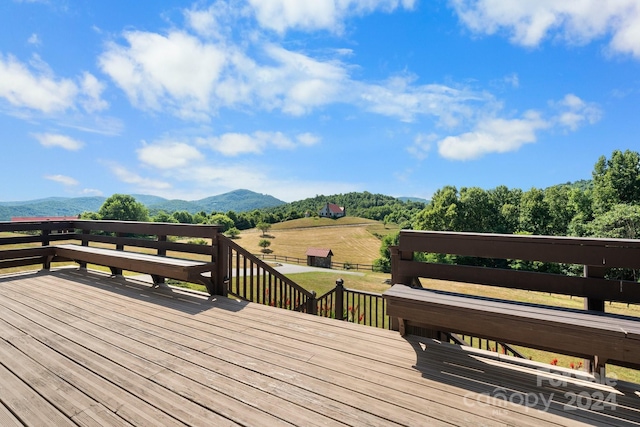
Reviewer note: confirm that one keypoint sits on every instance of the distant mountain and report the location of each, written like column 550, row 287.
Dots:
column 237, row 201
column 414, row 199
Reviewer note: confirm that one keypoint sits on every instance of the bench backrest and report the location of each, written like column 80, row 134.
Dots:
column 596, row 255
column 161, row 237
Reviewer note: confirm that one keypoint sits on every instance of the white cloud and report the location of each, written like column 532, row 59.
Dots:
column 308, row 139
column 144, row 185
column 154, row 69
column 282, row 15
column 57, row 140
column 529, row 22
column 234, row 144
column 574, row 112
column 62, row 179
column 34, row 89
column 422, row 145
column 168, row 154
column 91, row 192
column 92, row 89
column 493, row 135
column 157, row 73
column 399, row 97
column 34, row 39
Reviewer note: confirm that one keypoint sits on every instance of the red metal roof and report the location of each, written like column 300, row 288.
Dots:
column 319, row 252
column 335, row 208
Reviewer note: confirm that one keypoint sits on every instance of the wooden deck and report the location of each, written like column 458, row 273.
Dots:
column 80, row 348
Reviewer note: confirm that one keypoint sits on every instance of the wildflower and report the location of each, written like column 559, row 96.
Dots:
column 554, row 362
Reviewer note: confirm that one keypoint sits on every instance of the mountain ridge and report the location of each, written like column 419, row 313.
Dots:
column 240, row 200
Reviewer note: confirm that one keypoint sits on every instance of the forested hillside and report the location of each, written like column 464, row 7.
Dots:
column 238, row 201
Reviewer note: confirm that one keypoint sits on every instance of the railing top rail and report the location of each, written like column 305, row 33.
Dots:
column 156, row 228
column 135, row 227
column 521, row 238
column 571, row 250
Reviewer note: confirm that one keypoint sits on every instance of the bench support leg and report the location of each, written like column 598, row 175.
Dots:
column 596, row 366
column 158, row 281
column 116, row 271
column 402, row 327
column 47, row 263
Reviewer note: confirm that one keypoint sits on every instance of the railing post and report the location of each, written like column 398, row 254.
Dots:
column 397, row 256
column 84, row 242
column 592, row 365
column 339, row 309
column 160, row 281
column 221, row 276
column 312, row 304
column 45, row 242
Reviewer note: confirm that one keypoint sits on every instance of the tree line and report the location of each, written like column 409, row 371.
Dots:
column 608, row 206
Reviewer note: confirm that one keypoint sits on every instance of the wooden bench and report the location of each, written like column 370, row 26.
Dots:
column 157, row 266
column 607, row 338
column 591, row 333
column 120, row 245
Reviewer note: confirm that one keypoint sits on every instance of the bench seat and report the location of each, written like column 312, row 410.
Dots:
column 155, row 265
column 581, row 333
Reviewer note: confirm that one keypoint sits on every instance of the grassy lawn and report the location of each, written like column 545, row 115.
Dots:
column 353, row 240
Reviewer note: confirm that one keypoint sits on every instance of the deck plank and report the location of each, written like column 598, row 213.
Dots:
column 104, row 351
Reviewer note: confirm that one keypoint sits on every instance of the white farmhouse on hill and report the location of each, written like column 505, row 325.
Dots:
column 331, row 210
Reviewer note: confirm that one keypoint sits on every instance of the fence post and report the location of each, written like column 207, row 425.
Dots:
column 339, row 309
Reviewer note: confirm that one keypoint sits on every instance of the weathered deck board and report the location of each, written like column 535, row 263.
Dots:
column 92, row 350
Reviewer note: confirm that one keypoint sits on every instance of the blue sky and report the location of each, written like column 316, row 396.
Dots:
column 294, row 98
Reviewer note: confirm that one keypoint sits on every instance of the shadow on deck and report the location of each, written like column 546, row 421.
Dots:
column 83, row 348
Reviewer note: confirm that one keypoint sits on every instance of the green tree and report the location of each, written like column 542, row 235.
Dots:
column 232, row 233
column 383, row 264
column 534, row 212
column 506, row 203
column 264, row 227
column 622, row 221
column 561, row 211
column 264, row 244
column 183, row 217
column 222, row 220
column 122, row 207
column 616, row 180
column 442, row 213
column 162, row 216
column 94, row 216
column 477, row 212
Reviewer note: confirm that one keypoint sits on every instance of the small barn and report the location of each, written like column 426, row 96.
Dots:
column 318, row 257
column 331, row 210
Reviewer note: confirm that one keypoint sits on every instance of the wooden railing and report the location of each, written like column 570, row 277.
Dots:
column 596, row 255
column 19, row 241
column 598, row 258
column 366, row 308
column 251, row 279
